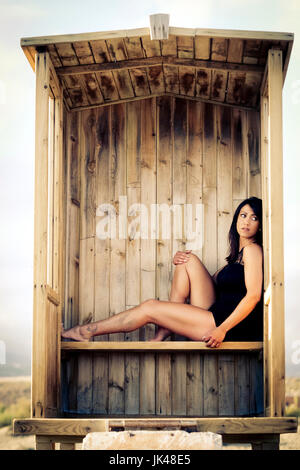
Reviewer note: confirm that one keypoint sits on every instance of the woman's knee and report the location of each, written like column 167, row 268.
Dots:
column 149, row 308
column 195, row 262
column 194, row 259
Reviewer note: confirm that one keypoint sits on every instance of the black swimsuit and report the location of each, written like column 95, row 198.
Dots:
column 230, row 289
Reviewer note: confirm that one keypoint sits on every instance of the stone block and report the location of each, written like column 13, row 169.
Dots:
column 152, row 440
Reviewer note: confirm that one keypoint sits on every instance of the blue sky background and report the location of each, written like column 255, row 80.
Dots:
column 17, row 103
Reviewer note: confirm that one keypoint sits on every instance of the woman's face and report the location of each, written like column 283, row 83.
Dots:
column 247, row 223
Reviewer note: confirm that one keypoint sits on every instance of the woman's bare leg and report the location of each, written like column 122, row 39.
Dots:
column 180, row 290
column 191, row 278
column 187, row 320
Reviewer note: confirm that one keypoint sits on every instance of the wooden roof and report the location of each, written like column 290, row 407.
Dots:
column 219, row 66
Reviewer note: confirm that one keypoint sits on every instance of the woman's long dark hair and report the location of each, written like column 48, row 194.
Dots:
column 233, row 237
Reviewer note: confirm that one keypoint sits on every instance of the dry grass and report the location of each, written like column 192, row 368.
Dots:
column 14, row 400
column 14, row 403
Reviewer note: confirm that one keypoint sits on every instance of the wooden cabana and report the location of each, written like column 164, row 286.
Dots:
column 121, row 120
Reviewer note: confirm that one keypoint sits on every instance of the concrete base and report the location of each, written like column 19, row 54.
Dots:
column 152, row 440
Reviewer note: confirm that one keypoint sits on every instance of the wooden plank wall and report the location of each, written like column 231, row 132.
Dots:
column 213, row 385
column 168, row 151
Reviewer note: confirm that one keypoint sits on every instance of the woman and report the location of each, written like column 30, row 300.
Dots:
column 220, row 305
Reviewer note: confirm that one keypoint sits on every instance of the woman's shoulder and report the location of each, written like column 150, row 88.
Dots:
column 252, row 250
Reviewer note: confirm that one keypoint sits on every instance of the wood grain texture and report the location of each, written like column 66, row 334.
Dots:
column 264, row 142
column 151, row 47
column 185, row 46
column 148, row 248
column 164, row 246
column 254, row 175
column 202, row 47
column 80, row 427
column 235, row 50
column 169, row 151
column 40, row 236
column 226, row 385
column 117, row 184
column 187, row 81
column 239, row 156
column 179, row 192
column 203, row 83
column 194, row 178
column 224, row 180
column 102, row 256
column 240, row 51
column 241, row 385
column 51, row 188
column 51, row 407
column 210, row 238
column 276, row 350
column 100, row 51
column 140, row 82
column 165, row 346
column 210, row 386
column 144, row 32
column 83, row 52
column 72, row 237
column 87, row 251
column 156, row 79
column 194, row 384
column 171, row 75
column 133, row 247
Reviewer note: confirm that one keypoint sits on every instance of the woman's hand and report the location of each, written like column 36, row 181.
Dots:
column 181, row 257
column 214, row 338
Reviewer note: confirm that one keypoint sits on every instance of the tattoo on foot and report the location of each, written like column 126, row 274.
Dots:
column 91, row 328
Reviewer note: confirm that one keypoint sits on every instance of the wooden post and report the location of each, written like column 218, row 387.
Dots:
column 40, row 234
column 59, row 225
column 48, row 242
column 67, row 446
column 44, row 443
column 271, row 442
column 264, row 150
column 276, row 350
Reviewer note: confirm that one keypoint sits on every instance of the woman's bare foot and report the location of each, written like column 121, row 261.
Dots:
column 162, row 334
column 74, row 333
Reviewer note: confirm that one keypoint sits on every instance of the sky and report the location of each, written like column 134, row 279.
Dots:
column 17, row 101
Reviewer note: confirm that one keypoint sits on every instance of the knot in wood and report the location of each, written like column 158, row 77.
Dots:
column 91, row 166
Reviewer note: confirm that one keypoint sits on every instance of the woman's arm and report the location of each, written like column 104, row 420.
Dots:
column 253, row 280
column 253, row 257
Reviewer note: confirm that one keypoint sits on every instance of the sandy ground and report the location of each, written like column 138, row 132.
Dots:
column 10, row 442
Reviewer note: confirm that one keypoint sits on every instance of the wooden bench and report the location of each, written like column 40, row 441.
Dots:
column 261, row 433
column 153, row 346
